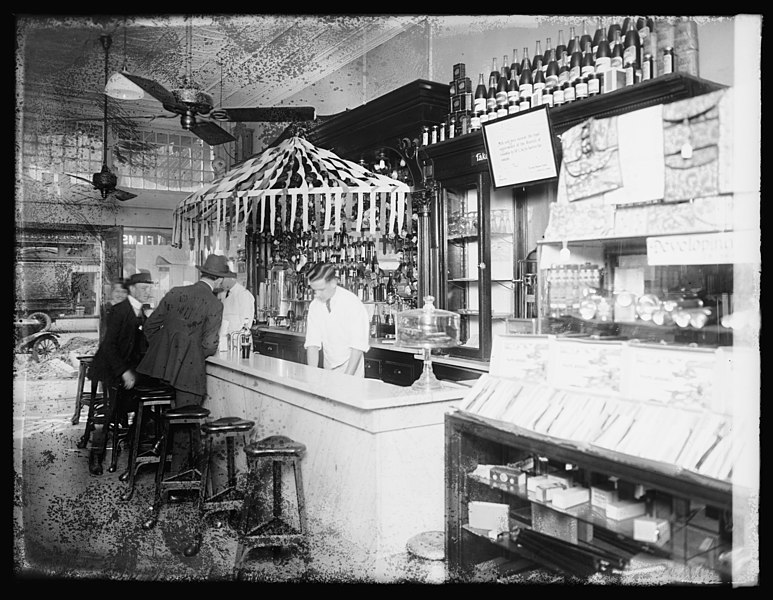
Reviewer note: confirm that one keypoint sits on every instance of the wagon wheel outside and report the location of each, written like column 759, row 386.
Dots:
column 44, row 347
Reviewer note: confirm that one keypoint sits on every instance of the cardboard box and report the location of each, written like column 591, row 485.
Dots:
column 601, row 495
column 463, row 85
column 545, row 491
column 508, row 476
column 488, row 516
column 651, row 530
column 624, row 509
column 461, row 102
column 572, row 496
column 614, row 79
column 459, row 71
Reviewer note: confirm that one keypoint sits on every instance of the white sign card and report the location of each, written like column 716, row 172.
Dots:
column 521, row 148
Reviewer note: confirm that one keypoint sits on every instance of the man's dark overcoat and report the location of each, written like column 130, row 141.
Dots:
column 118, row 350
column 182, row 332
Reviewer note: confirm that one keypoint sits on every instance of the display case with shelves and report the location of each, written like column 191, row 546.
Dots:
column 693, row 514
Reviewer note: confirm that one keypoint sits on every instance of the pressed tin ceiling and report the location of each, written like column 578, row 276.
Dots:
column 241, row 60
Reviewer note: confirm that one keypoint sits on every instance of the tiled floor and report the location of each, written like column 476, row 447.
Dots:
column 70, row 525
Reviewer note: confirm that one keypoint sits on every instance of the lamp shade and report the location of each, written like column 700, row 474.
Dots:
column 121, row 88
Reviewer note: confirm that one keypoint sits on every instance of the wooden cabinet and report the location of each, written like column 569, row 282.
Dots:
column 693, row 513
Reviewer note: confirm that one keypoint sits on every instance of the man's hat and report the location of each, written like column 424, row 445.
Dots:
column 216, row 265
column 141, row 277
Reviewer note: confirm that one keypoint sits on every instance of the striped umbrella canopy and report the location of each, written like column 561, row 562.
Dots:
column 293, row 186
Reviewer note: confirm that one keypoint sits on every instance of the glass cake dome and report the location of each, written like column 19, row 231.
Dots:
column 427, row 328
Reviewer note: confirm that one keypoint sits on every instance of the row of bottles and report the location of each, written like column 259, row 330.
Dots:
column 584, row 65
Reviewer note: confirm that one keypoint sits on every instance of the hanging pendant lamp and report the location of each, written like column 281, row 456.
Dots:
column 118, row 86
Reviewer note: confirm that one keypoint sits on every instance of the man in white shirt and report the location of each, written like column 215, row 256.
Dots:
column 337, row 323
column 238, row 304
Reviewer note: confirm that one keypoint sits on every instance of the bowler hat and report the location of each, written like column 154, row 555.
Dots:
column 141, row 277
column 216, row 265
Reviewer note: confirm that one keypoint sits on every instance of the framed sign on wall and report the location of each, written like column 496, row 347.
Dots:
column 521, row 148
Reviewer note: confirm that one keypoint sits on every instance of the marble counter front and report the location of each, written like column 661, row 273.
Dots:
column 374, row 469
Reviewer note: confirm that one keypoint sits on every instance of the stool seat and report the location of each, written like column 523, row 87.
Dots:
column 227, row 425
column 148, row 392
column 191, row 411
column 275, row 445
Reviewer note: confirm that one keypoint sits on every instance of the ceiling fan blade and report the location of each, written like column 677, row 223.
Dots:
column 277, row 114
column 211, row 133
column 81, row 178
column 123, row 195
column 158, row 91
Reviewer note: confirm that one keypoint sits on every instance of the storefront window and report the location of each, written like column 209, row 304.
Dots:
column 149, row 249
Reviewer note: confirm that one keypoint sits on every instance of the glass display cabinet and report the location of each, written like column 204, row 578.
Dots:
column 476, row 259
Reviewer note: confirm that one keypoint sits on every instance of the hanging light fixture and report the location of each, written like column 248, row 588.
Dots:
column 120, row 87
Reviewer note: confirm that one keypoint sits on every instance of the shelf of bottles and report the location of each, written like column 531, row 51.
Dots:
column 356, row 258
column 583, row 65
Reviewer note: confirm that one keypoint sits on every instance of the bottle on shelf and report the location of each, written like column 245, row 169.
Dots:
column 375, row 324
column 493, row 76
column 588, row 65
column 632, row 46
column 550, row 53
column 491, row 102
column 512, row 95
column 551, row 71
column 572, row 45
column 515, row 66
column 501, row 97
column 575, row 62
column 603, row 56
column 598, row 35
column 525, row 86
column 536, row 62
column 505, row 70
column 538, row 86
column 668, row 60
column 561, row 48
column 614, row 26
column 616, row 61
column 585, row 38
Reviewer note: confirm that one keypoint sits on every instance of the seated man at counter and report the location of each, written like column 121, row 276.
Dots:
column 337, row 323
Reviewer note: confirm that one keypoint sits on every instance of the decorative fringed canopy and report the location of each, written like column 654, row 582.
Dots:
column 294, row 186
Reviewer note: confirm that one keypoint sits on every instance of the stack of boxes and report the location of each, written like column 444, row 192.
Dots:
column 460, row 103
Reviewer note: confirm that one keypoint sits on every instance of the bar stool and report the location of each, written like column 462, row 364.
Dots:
column 276, row 532
column 230, row 498
column 83, row 398
column 152, row 402
column 190, row 417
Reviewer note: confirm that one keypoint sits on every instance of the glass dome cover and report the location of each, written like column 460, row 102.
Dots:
column 427, row 327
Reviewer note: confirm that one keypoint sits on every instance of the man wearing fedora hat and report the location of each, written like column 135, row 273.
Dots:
column 184, row 330
column 115, row 362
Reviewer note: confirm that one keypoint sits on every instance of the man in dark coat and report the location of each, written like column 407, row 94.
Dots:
column 184, row 330
column 118, row 355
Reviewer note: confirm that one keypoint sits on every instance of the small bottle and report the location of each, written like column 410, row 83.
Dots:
column 560, row 49
column 569, row 95
column 375, row 324
column 433, row 135
column 442, row 132
column 536, row 63
column 425, row 135
column 647, row 67
column 515, row 66
column 547, row 96
column 668, row 60
column 575, row 62
column 588, row 64
column 512, row 91
column 581, row 88
column 501, row 94
column 632, row 47
column 525, row 86
column 451, row 127
column 630, row 71
column 558, row 95
column 594, row 85
column 504, row 72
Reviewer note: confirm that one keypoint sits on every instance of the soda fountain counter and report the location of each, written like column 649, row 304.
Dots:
column 374, row 467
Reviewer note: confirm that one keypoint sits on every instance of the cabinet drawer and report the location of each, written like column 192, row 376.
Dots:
column 372, row 368
column 269, row 349
column 397, row 373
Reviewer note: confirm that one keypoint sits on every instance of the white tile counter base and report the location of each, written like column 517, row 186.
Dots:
column 373, row 471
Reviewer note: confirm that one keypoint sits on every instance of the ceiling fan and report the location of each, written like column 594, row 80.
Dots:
column 190, row 102
column 105, row 181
